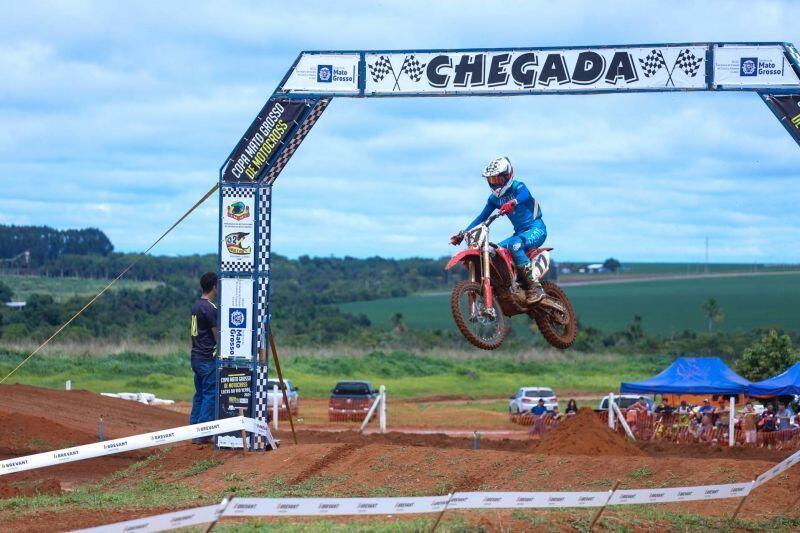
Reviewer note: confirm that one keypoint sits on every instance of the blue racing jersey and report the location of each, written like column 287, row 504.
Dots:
column 522, row 217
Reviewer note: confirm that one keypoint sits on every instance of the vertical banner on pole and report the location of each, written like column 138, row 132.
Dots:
column 236, row 319
column 238, row 229
column 235, row 393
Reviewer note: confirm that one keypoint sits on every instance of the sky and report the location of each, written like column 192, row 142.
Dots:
column 118, row 116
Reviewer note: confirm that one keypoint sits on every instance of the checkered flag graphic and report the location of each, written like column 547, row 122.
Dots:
column 381, row 68
column 413, row 68
column 688, row 62
column 652, row 63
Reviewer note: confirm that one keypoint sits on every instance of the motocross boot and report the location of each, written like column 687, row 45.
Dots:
column 533, row 289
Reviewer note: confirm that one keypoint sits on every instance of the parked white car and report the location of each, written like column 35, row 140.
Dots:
column 291, row 393
column 626, row 400
column 527, row 397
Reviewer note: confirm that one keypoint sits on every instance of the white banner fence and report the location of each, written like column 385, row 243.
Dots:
column 286, row 507
column 136, row 442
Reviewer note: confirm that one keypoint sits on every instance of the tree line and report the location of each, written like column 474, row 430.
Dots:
column 46, row 244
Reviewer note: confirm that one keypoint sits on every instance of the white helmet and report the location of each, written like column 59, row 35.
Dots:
column 499, row 174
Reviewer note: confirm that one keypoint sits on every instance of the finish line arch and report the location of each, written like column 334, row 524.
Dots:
column 770, row 69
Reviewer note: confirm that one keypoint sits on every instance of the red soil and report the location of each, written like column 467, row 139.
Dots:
column 582, row 454
column 21, row 434
column 45, row 486
column 585, row 434
column 81, row 410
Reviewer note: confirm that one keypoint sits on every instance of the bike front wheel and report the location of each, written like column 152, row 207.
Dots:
column 484, row 327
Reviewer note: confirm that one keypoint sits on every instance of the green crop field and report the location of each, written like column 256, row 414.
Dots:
column 665, row 306
column 64, row 288
column 407, row 375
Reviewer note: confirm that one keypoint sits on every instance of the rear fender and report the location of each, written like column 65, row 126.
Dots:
column 463, row 256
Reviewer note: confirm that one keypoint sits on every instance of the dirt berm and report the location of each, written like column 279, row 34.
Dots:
column 585, row 434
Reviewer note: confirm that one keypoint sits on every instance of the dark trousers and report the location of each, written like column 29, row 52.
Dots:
column 205, row 378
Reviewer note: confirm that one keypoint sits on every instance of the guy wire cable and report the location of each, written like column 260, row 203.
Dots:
column 113, row 281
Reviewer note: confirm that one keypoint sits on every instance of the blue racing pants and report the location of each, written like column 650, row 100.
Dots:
column 205, row 378
column 519, row 243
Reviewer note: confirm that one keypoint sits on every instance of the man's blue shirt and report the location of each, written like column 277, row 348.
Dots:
column 522, row 217
column 539, row 409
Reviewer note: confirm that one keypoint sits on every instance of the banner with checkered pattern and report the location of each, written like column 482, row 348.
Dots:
column 238, row 229
column 656, row 68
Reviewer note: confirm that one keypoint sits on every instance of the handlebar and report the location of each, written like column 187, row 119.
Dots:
column 491, row 219
column 486, row 223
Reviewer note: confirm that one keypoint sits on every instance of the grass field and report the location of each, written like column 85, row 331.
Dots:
column 64, row 288
column 665, row 306
column 405, row 375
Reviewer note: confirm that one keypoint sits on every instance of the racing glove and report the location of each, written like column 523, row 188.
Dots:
column 507, row 207
column 456, row 239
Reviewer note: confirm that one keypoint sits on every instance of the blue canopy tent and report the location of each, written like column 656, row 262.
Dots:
column 691, row 375
column 783, row 384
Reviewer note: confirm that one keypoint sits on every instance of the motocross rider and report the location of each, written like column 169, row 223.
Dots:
column 511, row 197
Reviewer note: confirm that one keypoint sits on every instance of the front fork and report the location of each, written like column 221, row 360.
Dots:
column 486, row 285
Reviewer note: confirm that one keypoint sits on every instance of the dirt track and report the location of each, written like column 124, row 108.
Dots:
column 346, row 463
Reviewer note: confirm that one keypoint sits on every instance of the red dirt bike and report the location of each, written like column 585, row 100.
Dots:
column 482, row 304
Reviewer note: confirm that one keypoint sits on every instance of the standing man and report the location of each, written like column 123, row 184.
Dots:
column 204, row 351
column 539, row 411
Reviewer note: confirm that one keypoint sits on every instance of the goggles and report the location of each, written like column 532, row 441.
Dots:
column 499, row 179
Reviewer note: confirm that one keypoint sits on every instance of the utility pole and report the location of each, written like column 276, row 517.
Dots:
column 706, row 255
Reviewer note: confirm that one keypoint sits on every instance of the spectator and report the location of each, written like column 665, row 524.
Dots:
column 749, row 423
column 704, row 429
column 643, row 405
column 721, row 413
column 706, row 408
column 539, row 411
column 722, row 405
column 203, row 354
column 684, row 413
column 784, row 417
column 572, row 408
column 664, row 408
column 768, row 419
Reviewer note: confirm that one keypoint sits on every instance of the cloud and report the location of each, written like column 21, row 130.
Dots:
column 118, row 116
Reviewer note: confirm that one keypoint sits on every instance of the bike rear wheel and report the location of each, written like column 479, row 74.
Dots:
column 482, row 327
column 558, row 329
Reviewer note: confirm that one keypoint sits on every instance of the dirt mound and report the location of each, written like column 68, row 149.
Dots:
column 39, row 487
column 81, row 410
column 23, row 434
column 585, row 434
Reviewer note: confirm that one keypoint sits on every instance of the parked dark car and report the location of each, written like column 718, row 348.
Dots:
column 350, row 401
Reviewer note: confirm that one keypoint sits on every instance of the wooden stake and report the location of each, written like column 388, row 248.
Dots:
column 600, row 510
column 244, row 434
column 741, row 502
column 441, row 514
column 283, row 385
column 223, row 505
